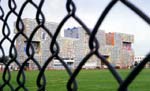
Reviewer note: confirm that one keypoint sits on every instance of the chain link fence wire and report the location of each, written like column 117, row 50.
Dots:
column 93, row 44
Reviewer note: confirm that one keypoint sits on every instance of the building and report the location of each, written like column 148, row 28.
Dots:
column 138, row 58
column 115, row 47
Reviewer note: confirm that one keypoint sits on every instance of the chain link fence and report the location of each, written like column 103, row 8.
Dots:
column 54, row 48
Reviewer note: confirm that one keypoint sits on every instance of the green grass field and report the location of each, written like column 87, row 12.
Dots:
column 88, row 80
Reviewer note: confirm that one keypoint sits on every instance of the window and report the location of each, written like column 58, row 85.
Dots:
column 127, row 45
column 43, row 36
column 36, row 46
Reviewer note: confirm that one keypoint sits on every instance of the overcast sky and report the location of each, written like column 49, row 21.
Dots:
column 120, row 19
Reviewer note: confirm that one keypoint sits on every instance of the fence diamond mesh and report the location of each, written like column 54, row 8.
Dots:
column 54, row 47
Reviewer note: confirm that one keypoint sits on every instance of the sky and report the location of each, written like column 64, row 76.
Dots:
column 120, row 18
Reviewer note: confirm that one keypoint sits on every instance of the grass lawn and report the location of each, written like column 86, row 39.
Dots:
column 88, row 80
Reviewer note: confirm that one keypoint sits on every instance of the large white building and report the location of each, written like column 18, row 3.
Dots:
column 115, row 47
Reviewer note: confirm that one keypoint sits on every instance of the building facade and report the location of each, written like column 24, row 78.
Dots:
column 115, row 47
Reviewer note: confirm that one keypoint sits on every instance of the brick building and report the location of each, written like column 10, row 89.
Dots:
column 116, row 47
